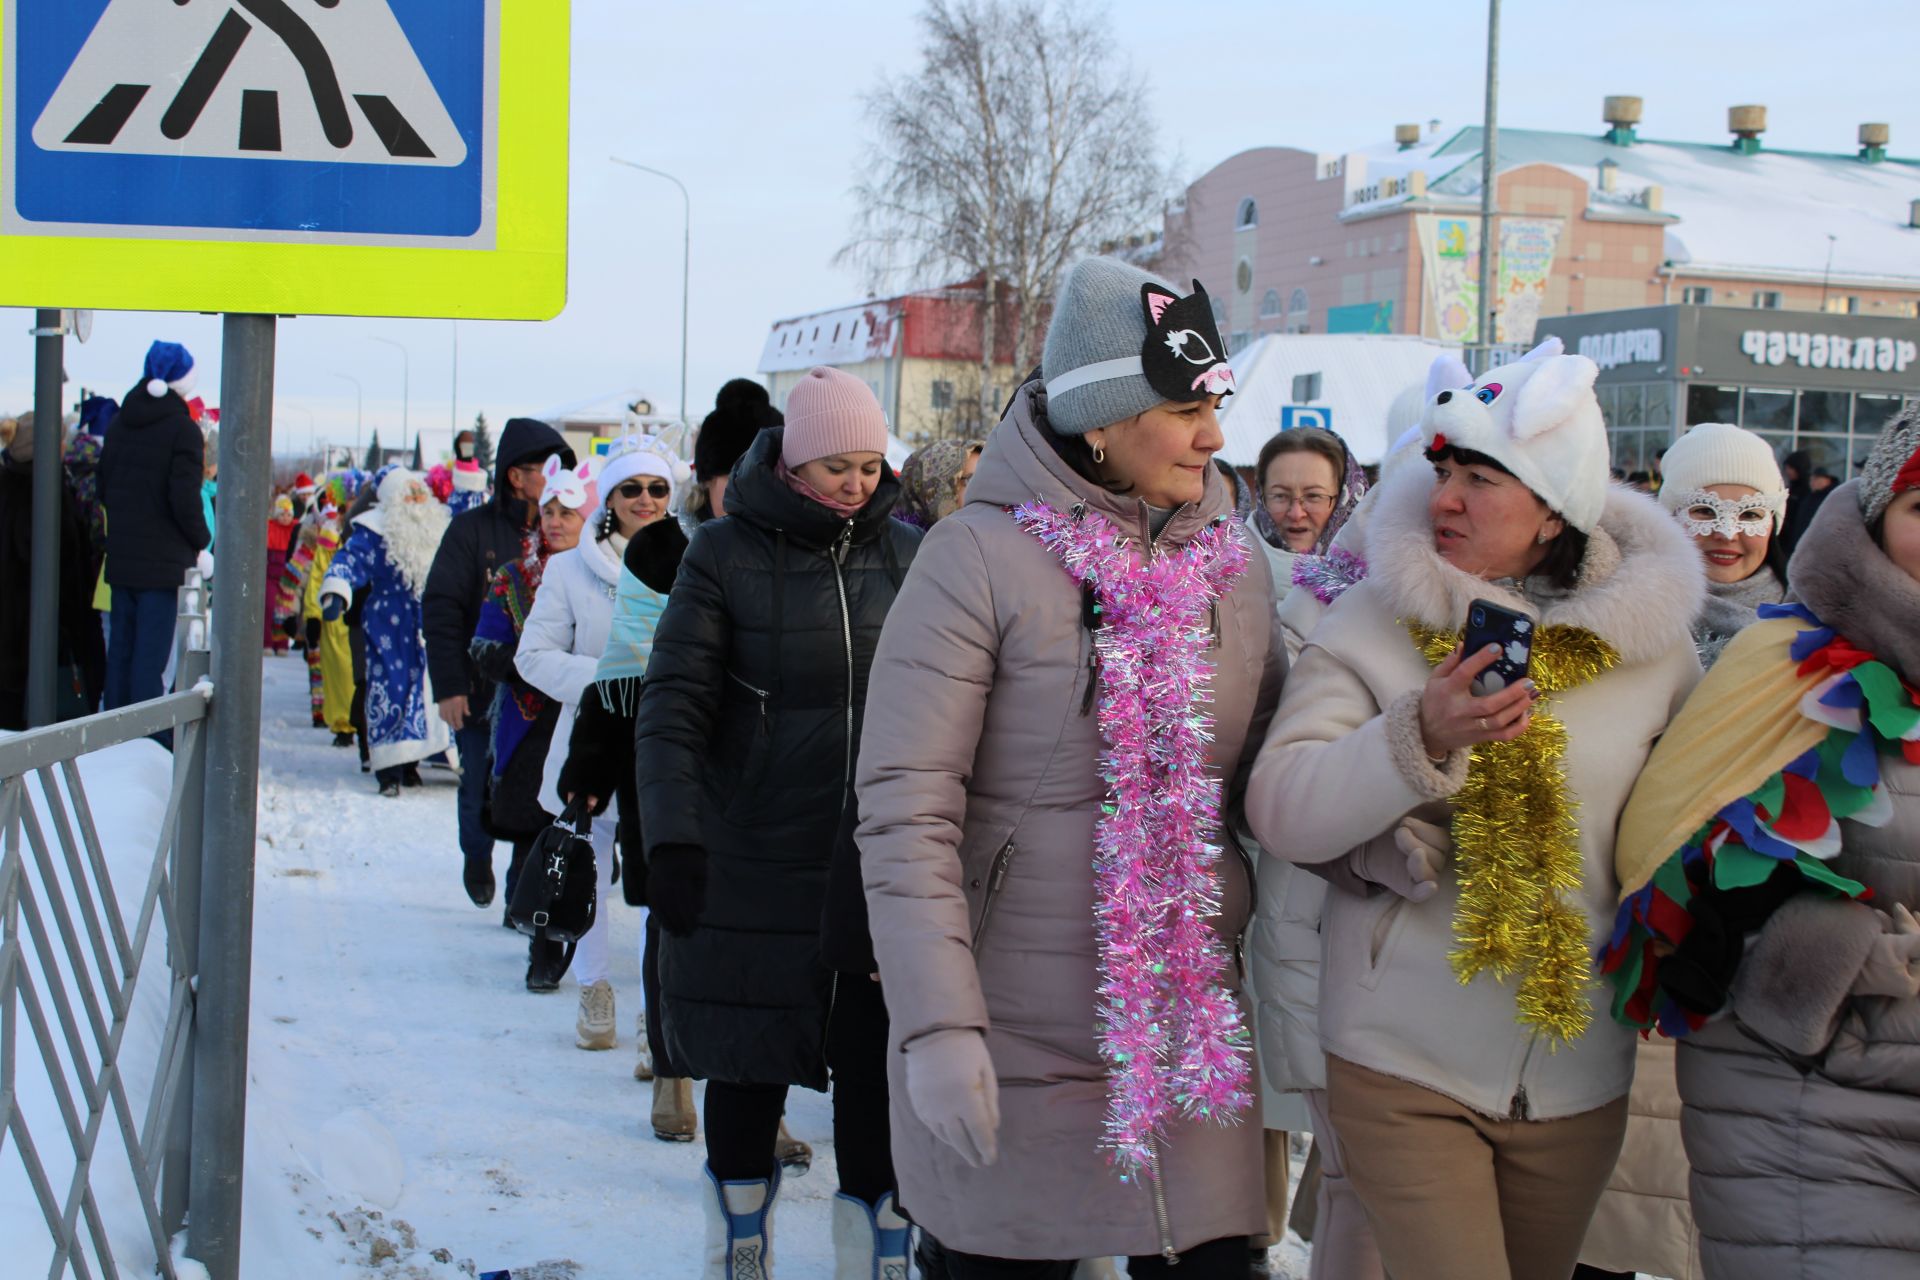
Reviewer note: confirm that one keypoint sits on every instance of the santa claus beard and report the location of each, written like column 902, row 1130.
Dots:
column 412, row 531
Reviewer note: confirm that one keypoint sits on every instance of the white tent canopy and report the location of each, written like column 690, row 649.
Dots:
column 1371, row 386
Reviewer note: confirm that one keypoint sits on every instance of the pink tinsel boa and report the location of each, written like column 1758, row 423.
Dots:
column 1170, row 1026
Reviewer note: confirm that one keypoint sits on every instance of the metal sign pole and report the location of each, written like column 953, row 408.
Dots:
column 232, row 792
column 43, row 608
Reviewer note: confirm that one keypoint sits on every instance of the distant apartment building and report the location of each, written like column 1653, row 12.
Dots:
column 1386, row 239
column 919, row 352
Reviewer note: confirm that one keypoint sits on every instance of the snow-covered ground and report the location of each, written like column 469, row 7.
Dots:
column 413, row 1111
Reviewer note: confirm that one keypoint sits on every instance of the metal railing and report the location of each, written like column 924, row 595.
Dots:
column 73, row 961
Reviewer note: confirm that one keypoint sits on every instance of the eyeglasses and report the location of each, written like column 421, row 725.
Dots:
column 658, row 490
column 1281, row 500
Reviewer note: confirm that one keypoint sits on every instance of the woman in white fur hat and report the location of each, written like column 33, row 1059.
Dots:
column 1473, row 1074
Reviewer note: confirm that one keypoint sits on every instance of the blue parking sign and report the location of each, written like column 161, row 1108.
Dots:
column 366, row 122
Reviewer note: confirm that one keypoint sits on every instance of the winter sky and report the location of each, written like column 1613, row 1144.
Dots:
column 756, row 106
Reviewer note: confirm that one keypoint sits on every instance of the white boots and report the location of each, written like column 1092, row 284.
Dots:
column 593, row 1027
column 740, row 1228
column 870, row 1242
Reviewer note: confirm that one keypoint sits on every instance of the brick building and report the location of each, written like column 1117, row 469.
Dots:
column 1385, row 239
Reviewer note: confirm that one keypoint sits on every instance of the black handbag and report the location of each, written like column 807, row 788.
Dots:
column 555, row 896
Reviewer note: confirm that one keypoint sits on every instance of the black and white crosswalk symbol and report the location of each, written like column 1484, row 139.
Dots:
column 326, row 80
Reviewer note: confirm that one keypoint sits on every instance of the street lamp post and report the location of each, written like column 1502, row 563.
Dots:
column 1826, row 277
column 359, row 416
column 1489, row 163
column 686, row 258
column 406, row 383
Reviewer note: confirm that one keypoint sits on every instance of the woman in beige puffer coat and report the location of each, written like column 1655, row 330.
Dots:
column 980, row 794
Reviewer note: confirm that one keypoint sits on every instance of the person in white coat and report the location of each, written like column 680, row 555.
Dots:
column 560, row 650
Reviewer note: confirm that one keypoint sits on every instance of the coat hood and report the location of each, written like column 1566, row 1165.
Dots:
column 1841, row 573
column 138, row 409
column 1640, row 587
column 1022, row 465
column 757, row 494
column 526, row 440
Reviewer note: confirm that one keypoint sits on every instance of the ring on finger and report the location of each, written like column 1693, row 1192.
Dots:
column 1482, row 722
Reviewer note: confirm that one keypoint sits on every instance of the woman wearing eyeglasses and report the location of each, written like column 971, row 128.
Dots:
column 1306, row 475
column 560, row 650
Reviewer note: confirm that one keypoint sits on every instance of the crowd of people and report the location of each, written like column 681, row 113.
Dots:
column 1092, row 818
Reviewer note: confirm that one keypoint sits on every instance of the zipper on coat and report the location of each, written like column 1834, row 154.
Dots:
column 996, row 877
column 846, row 632
column 1161, row 1220
column 1521, row 1108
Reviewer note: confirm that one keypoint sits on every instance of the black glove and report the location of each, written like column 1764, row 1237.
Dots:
column 677, row 886
column 313, row 634
column 332, row 607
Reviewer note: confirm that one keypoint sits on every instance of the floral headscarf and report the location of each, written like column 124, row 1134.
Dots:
column 926, row 482
column 1352, row 489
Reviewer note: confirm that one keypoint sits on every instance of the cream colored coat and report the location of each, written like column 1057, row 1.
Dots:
column 1348, row 728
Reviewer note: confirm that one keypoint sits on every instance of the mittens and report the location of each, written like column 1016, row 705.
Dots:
column 1412, row 867
column 953, row 1089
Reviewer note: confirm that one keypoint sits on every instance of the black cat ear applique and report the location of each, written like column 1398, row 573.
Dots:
column 1183, row 357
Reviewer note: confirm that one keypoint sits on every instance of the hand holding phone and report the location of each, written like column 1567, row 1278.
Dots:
column 1453, row 716
column 1508, row 631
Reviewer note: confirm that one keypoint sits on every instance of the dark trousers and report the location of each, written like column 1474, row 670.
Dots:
column 744, row 1119
column 1227, row 1259
column 472, row 739
column 663, row 1063
column 142, row 636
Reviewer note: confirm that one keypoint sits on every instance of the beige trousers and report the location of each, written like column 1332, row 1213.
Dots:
column 1455, row 1195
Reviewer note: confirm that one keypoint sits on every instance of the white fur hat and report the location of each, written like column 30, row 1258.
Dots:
column 1719, row 453
column 641, row 455
column 1538, row 418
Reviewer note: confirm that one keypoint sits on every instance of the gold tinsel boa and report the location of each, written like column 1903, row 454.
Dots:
column 1517, row 845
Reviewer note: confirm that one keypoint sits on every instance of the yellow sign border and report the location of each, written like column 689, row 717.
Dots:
column 523, row 277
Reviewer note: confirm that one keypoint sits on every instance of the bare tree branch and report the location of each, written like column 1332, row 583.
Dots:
column 1018, row 147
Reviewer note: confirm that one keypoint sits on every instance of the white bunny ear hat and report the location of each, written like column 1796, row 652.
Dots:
column 572, row 487
column 1537, row 417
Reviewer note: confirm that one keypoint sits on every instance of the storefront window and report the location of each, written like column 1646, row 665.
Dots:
column 1780, row 442
column 1660, row 409
column 1829, row 454
column 1627, row 451
column 1871, row 413
column 1631, row 403
column 1712, row 404
column 1766, row 411
column 1605, row 396
column 1823, row 412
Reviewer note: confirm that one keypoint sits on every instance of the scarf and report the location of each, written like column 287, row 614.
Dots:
column 1517, row 845
column 1731, row 608
column 1746, row 791
column 1170, row 1028
column 807, row 491
column 926, row 482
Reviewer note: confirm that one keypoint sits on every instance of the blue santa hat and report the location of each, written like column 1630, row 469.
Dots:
column 169, row 368
column 96, row 412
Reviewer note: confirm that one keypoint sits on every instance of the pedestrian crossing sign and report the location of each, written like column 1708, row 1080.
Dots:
column 352, row 157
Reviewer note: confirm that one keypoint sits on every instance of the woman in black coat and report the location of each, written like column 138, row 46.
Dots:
column 745, row 740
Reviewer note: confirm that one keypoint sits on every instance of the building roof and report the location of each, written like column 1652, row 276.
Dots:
column 1769, row 213
column 1365, row 379
column 842, row 336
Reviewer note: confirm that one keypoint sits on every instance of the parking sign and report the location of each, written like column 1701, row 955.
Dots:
column 366, row 157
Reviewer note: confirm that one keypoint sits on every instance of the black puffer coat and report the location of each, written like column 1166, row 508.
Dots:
column 477, row 544
column 745, row 742
column 150, row 470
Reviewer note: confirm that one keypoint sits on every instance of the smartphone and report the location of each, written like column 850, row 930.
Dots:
column 1489, row 623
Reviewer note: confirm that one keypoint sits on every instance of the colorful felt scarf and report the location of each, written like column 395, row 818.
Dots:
column 1790, row 820
column 1170, row 1026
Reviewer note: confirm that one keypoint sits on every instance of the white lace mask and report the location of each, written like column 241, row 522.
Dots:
column 1704, row 514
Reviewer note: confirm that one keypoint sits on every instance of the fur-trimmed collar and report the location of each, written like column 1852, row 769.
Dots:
column 1640, row 585
column 1846, row 579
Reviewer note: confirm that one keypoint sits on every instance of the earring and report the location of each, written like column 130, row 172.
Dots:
column 1541, row 539
column 1099, row 453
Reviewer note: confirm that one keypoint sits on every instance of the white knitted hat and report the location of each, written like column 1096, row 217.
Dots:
column 1719, row 453
column 1538, row 418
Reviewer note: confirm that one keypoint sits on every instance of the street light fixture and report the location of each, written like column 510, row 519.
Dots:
column 359, row 416
column 686, row 258
column 406, row 382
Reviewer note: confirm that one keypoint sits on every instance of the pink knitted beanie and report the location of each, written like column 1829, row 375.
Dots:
column 831, row 412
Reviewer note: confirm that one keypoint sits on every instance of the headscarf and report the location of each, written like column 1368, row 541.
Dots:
column 926, row 482
column 1352, row 489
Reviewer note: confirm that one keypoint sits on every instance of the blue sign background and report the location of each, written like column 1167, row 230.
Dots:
column 449, row 38
column 1301, row 415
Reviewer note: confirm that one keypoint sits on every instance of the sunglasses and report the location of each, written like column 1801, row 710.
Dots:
column 658, row 490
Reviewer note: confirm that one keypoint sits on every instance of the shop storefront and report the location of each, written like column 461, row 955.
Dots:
column 1804, row 380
